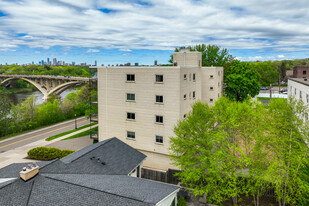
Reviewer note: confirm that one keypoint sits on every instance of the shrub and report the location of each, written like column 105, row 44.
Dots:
column 181, row 202
column 47, row 153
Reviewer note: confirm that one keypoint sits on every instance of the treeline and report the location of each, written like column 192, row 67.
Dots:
column 78, row 71
column 28, row 115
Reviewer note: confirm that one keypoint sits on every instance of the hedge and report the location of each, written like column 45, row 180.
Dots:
column 47, row 153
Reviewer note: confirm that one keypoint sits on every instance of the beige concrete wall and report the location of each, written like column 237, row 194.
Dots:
column 187, row 58
column 212, row 77
column 113, row 105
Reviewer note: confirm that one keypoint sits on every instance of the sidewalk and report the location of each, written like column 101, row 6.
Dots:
column 19, row 154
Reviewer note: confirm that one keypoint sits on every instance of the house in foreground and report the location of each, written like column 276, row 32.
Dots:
column 105, row 173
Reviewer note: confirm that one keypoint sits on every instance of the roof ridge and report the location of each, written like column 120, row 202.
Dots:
column 95, row 189
column 30, row 192
column 108, row 140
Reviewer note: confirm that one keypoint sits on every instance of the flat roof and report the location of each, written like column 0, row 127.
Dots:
column 300, row 80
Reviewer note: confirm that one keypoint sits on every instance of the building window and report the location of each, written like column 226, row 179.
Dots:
column 304, row 72
column 130, row 77
column 159, row 78
column 159, row 99
column 184, row 116
column 307, row 97
column 130, row 115
column 300, row 96
column 219, row 73
column 211, row 76
column 211, row 100
column 159, row 119
column 130, row 135
column 193, row 95
column 190, row 95
column 291, row 89
column 190, row 76
column 130, row 97
column 211, row 88
column 295, row 91
column 184, row 76
column 193, row 76
column 159, row 139
column 185, row 96
column 218, row 84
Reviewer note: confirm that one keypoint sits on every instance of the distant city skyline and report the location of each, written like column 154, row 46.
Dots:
column 117, row 31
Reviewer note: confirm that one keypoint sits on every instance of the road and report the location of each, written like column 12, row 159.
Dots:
column 27, row 138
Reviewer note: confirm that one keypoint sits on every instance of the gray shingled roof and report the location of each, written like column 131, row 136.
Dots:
column 111, row 156
column 80, row 179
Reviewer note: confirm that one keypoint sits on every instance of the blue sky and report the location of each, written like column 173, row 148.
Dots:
column 115, row 32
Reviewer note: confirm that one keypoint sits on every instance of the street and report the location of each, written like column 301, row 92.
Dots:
column 43, row 133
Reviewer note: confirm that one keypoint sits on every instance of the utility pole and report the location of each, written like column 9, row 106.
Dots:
column 75, row 122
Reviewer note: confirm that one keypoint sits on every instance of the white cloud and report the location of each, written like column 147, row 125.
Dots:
column 281, row 56
column 92, row 50
column 163, row 25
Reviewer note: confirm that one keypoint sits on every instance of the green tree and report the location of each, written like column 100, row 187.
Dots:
column 290, row 150
column 268, row 72
column 5, row 108
column 212, row 147
column 241, row 80
column 212, row 55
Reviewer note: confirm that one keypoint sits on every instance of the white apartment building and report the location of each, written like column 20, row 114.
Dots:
column 299, row 89
column 141, row 104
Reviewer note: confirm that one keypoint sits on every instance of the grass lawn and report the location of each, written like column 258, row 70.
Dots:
column 82, row 134
column 69, row 132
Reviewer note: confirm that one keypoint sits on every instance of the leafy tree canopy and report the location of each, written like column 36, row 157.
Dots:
column 212, row 55
column 240, row 148
column 241, row 80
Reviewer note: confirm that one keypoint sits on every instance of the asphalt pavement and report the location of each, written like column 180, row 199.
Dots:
column 30, row 137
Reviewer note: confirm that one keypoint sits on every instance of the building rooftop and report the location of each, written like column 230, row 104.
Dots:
column 304, row 81
column 80, row 179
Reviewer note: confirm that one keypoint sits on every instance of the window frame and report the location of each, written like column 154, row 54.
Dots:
column 132, row 134
column 131, row 118
column 194, row 77
column 159, row 102
column 160, row 118
column 159, row 82
column 185, row 77
column 156, row 138
column 131, row 100
column 193, row 94
column 130, row 80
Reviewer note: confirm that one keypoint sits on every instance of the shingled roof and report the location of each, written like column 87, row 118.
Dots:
column 82, row 179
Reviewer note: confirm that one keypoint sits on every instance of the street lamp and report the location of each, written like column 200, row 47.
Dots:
column 75, row 122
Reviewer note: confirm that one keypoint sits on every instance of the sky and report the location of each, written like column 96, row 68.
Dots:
column 116, row 32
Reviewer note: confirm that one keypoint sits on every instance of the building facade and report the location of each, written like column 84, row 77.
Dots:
column 141, row 105
column 301, row 71
column 299, row 89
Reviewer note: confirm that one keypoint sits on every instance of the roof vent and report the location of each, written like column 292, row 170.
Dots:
column 29, row 172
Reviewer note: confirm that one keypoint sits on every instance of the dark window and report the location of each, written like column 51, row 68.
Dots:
column 184, row 76
column 184, row 116
column 184, row 96
column 159, row 78
column 159, row 99
column 211, row 76
column 304, row 72
column 130, row 77
column 130, row 115
column 211, row 88
column 130, row 97
column 159, row 139
column 159, row 119
column 300, row 95
column 130, row 134
column 193, row 76
column 307, row 97
column 211, row 100
column 193, row 94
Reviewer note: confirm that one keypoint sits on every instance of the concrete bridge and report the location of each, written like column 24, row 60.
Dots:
column 48, row 84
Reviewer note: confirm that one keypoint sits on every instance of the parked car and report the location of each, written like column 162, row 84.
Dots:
column 263, row 88
column 283, row 90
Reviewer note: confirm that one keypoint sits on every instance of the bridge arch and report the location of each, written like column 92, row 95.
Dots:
column 38, row 86
column 60, row 88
